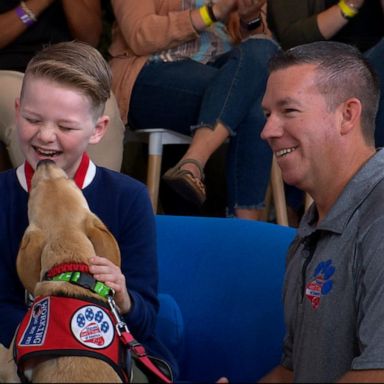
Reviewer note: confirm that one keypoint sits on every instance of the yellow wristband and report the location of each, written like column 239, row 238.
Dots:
column 205, row 16
column 347, row 11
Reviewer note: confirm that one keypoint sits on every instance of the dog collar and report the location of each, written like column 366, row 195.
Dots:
column 78, row 274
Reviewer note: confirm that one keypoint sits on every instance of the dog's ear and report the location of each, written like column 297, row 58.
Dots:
column 28, row 262
column 103, row 241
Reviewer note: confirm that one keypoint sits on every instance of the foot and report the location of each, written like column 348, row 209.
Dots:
column 186, row 178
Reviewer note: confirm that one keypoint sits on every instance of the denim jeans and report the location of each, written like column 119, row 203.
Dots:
column 375, row 56
column 185, row 95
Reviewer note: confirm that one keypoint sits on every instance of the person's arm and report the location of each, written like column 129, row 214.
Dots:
column 134, row 228
column 369, row 299
column 147, row 32
column 364, row 376
column 331, row 20
column 279, row 374
column 12, row 27
column 84, row 19
column 294, row 22
column 248, row 13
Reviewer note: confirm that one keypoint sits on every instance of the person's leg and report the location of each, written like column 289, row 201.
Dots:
column 108, row 152
column 168, row 95
column 239, row 88
column 10, row 84
column 376, row 57
column 171, row 95
column 249, row 163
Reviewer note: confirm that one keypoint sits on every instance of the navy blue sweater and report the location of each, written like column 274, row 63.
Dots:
column 122, row 203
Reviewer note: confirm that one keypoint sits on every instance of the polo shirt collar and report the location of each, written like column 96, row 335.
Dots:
column 353, row 195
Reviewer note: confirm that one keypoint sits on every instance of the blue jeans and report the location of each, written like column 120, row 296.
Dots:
column 185, row 95
column 375, row 56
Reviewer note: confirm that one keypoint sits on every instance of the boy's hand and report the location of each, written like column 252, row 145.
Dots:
column 108, row 273
column 222, row 380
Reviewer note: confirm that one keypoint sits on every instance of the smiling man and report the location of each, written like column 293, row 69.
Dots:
column 321, row 101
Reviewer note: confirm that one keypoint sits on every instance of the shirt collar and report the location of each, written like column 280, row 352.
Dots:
column 353, row 195
column 83, row 176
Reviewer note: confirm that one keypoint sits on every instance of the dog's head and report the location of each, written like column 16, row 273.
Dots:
column 61, row 228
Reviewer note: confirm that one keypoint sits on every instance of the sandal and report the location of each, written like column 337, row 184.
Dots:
column 184, row 182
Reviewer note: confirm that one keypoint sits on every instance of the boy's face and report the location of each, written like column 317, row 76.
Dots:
column 56, row 122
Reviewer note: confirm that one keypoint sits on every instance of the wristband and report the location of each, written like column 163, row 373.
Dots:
column 251, row 24
column 204, row 13
column 347, row 11
column 211, row 13
column 25, row 14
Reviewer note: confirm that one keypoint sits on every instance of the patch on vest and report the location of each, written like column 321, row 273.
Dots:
column 36, row 328
column 92, row 327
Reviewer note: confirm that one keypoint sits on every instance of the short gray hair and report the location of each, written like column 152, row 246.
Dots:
column 342, row 73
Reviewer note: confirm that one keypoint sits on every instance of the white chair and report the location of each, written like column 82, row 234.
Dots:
column 158, row 137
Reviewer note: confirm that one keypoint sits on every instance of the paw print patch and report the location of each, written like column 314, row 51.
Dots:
column 92, row 327
column 321, row 284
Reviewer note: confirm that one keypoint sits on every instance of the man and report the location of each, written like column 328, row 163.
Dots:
column 321, row 101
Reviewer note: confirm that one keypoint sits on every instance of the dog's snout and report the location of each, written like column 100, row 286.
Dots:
column 44, row 161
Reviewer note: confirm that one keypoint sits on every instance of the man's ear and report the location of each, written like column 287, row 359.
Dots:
column 100, row 129
column 351, row 115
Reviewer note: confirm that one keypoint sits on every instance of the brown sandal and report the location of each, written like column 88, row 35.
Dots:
column 184, row 182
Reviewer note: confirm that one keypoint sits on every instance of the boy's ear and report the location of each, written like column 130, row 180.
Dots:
column 100, row 129
column 17, row 104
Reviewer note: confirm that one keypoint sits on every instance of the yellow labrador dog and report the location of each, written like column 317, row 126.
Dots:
column 52, row 264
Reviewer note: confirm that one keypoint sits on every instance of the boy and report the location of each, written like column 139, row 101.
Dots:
column 59, row 112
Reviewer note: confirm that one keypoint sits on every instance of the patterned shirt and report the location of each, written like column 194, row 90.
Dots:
column 212, row 42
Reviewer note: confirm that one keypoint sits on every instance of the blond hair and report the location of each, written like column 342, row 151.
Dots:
column 76, row 65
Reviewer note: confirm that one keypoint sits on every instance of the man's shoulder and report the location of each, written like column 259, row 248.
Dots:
column 371, row 211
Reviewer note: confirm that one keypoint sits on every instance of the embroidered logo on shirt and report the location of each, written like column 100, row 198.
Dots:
column 321, row 285
column 92, row 327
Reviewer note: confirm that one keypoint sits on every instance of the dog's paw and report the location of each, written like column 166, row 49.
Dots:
column 8, row 370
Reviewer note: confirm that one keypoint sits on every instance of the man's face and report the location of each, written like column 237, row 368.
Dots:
column 55, row 122
column 301, row 131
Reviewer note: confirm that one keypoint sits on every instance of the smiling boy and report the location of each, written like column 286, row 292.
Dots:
column 60, row 111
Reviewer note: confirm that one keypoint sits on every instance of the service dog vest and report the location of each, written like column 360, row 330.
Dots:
column 62, row 326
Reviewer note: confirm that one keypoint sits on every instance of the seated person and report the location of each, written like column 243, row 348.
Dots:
column 59, row 112
column 356, row 22
column 200, row 69
column 26, row 28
